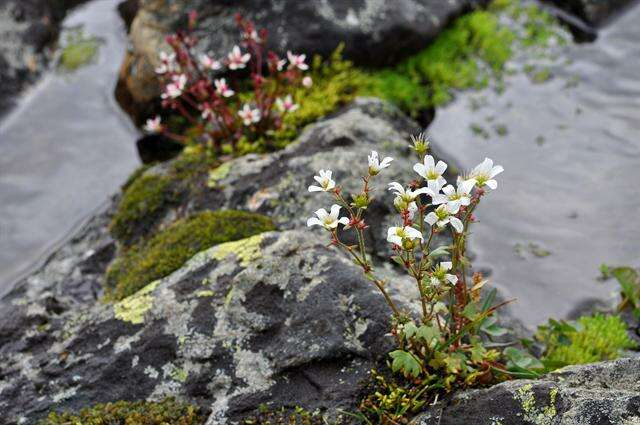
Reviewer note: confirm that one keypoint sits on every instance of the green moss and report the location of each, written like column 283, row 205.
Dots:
column 78, row 50
column 191, row 163
column 139, row 206
column 592, row 339
column 169, row 249
column 135, row 175
column 475, row 47
column 167, row 411
column 336, row 82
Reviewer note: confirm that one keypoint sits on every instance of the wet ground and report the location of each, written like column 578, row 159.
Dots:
column 568, row 200
column 65, row 149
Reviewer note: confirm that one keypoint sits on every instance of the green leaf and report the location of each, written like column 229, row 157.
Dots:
column 409, row 330
column 628, row 279
column 470, row 312
column 428, row 333
column 405, row 362
column 439, row 252
column 520, row 359
column 490, row 327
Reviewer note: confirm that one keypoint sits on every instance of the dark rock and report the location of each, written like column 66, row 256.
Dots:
column 156, row 148
column 594, row 12
column 600, row 393
column 128, row 10
column 275, row 319
column 375, row 32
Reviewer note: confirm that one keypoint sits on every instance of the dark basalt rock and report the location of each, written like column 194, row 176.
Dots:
column 277, row 319
column 599, row 393
column 375, row 32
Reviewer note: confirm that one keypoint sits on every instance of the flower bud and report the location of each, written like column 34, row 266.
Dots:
column 361, row 200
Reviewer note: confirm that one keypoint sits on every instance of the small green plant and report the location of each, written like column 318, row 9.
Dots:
column 167, row 411
column 629, row 281
column 169, row 249
column 589, row 339
column 443, row 348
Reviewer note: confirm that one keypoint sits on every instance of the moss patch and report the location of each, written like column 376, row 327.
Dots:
column 465, row 55
column 140, row 205
column 591, row 339
column 167, row 411
column 78, row 50
column 169, row 249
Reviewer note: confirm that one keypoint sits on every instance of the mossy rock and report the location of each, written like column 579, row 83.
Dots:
column 167, row 411
column 141, row 205
column 169, row 249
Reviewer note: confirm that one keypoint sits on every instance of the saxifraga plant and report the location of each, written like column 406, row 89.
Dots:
column 442, row 349
column 223, row 114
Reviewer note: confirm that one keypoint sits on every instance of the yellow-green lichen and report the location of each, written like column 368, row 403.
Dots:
column 218, row 174
column 245, row 250
column 133, row 308
column 170, row 249
column 530, row 412
column 167, row 411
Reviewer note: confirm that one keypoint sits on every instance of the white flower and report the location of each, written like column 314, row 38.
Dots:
column 432, row 172
column 398, row 235
column 175, row 88
column 153, row 125
column 222, row 88
column 485, row 172
column 236, row 59
column 456, row 197
column 248, row 115
column 286, row 104
column 405, row 197
column 167, row 63
column 307, row 81
column 207, row 112
column 253, row 35
column 375, row 165
column 440, row 275
column 280, row 64
column 420, row 143
column 325, row 181
column 210, row 63
column 297, row 61
column 327, row 220
column 444, row 215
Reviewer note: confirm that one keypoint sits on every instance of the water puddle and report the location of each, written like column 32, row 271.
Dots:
column 568, row 200
column 66, row 147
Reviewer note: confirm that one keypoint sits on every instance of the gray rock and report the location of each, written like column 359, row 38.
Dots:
column 277, row 319
column 599, row 393
column 594, row 12
column 374, row 32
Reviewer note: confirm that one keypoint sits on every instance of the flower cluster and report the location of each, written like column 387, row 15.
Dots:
column 220, row 116
column 446, row 333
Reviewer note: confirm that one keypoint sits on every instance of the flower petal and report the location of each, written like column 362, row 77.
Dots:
column 457, row 224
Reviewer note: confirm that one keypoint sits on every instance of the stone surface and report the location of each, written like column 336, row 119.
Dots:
column 600, row 393
column 27, row 28
column 374, row 32
column 594, row 12
column 275, row 319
